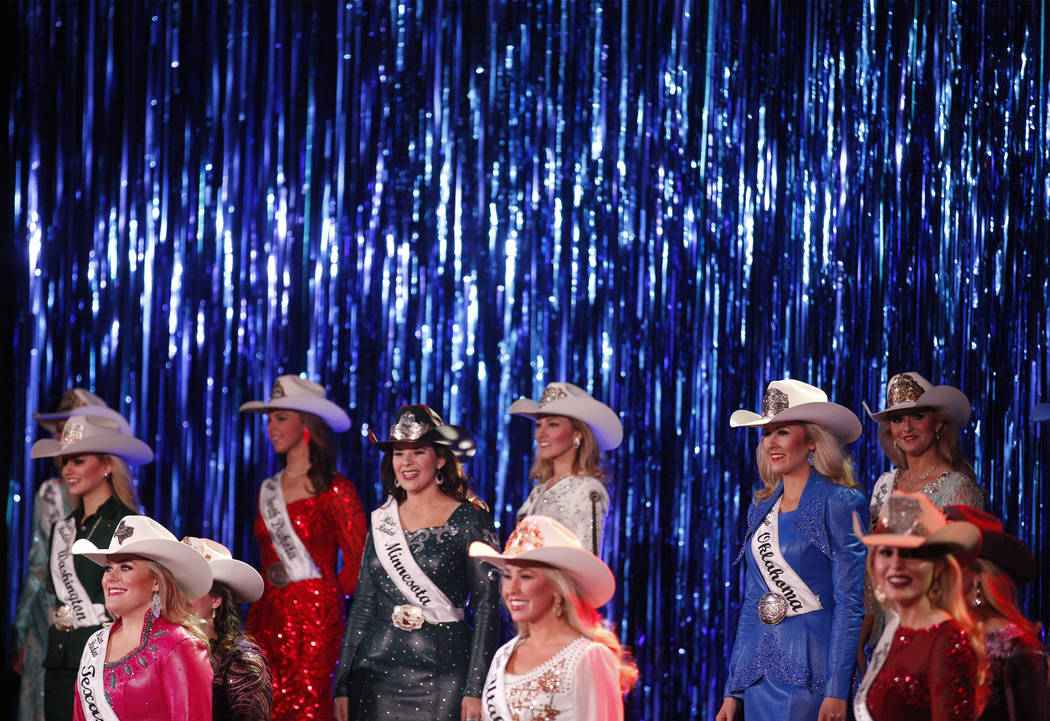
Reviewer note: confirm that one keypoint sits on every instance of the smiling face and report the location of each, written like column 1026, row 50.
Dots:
column 285, row 429
column 527, row 592
column 415, row 466
column 554, row 438
column 787, row 448
column 904, row 577
column 85, row 474
column 914, row 432
column 128, row 585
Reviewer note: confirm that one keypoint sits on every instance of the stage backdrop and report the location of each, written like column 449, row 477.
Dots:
column 667, row 203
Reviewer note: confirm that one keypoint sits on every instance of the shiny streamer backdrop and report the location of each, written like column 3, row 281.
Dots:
column 668, row 203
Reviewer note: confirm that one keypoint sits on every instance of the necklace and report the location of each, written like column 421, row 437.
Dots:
column 912, row 485
column 293, row 476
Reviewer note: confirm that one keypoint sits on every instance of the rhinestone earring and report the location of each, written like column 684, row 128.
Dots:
column 154, row 605
column 576, row 443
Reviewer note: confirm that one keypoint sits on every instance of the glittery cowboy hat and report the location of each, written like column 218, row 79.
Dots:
column 72, row 402
column 143, row 537
column 243, row 580
column 911, row 390
column 910, row 520
column 791, row 401
column 93, row 434
column 421, row 424
column 565, row 399
column 540, row 539
column 1041, row 412
column 1005, row 551
column 292, row 393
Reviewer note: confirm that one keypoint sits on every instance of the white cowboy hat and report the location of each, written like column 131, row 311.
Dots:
column 79, row 401
column 791, row 401
column 243, row 580
column 911, row 390
column 541, row 539
column 565, row 399
column 292, row 393
column 910, row 520
column 143, row 537
column 422, row 424
column 93, row 434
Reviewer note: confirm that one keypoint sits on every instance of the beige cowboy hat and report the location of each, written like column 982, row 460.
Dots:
column 93, row 434
column 791, row 401
column 292, row 393
column 143, row 537
column 910, row 390
column 72, row 403
column 541, row 539
column 566, row 399
column 910, row 520
column 243, row 580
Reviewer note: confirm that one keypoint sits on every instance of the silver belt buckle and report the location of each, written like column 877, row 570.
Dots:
column 407, row 617
column 62, row 618
column 772, row 608
column 277, row 574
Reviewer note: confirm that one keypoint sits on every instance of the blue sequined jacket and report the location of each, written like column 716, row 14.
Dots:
column 817, row 650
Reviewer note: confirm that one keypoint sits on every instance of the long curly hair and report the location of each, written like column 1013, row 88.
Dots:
column 829, row 460
column 454, row 480
column 587, row 462
column 1000, row 592
column 948, row 444
column 227, row 621
column 322, row 470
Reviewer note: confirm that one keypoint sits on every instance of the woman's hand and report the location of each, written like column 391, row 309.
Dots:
column 729, row 708
column 832, row 709
column 471, row 710
column 342, row 708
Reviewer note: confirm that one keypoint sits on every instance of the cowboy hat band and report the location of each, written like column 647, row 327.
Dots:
column 143, row 537
column 910, row 520
column 792, row 401
column 421, row 424
column 292, row 393
column 93, row 434
column 571, row 401
column 244, row 582
column 909, row 390
column 540, row 539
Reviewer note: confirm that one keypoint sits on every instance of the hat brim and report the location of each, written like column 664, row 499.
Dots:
column 1009, row 554
column 243, row 580
column 132, row 450
column 960, row 538
column 594, row 579
column 600, row 418
column 841, row 421
column 188, row 567
column 326, row 410
column 948, row 399
column 50, row 420
column 456, row 438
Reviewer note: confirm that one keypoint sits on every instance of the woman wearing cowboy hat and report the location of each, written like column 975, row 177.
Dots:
column 410, row 651
column 793, row 657
column 308, row 513
column 928, row 665
column 1017, row 663
column 37, row 599
column 242, row 690
column 94, row 457
column 563, row 659
column 572, row 430
column 152, row 664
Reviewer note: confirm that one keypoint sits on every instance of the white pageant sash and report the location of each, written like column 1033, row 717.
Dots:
column 393, row 552
column 297, row 562
column 70, row 591
column 778, row 575
column 878, row 658
column 91, row 687
column 494, row 695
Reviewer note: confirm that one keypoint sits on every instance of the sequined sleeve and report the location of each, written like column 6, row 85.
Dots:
column 964, row 492
column 248, row 685
column 348, row 518
column 362, row 611
column 953, row 669
column 483, row 581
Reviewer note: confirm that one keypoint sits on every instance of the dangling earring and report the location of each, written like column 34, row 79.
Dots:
column 895, row 446
column 396, row 484
column 576, row 443
column 154, row 605
column 978, row 593
column 306, row 436
column 880, row 595
column 810, row 459
column 439, row 479
column 108, row 476
column 559, row 606
column 938, row 434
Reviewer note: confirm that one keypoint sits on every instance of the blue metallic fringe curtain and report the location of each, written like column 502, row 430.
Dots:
column 668, row 203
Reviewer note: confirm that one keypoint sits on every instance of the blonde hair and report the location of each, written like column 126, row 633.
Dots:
column 829, row 460
column 587, row 462
column 948, row 446
column 173, row 603
column 586, row 621
column 1000, row 593
column 119, row 480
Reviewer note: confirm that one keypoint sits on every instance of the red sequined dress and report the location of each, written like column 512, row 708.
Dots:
column 300, row 625
column 929, row 675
